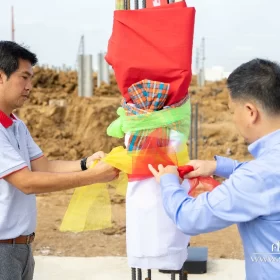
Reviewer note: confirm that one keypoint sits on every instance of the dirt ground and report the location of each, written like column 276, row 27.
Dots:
column 68, row 127
column 49, row 241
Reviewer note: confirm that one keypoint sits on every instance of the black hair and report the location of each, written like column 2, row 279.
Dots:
column 257, row 80
column 10, row 53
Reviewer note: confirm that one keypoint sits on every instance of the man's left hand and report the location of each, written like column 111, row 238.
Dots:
column 96, row 156
column 163, row 170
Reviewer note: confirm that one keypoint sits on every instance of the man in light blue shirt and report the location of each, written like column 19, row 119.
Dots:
column 250, row 195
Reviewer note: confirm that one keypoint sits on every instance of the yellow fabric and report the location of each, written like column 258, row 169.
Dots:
column 90, row 206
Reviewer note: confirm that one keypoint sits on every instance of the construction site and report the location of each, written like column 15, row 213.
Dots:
column 70, row 127
column 68, row 114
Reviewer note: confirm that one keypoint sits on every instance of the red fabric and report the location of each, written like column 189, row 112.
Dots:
column 153, row 43
column 156, row 156
column 154, row 151
column 199, row 184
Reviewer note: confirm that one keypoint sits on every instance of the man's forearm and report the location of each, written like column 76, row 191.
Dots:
column 44, row 182
column 64, row 166
column 192, row 216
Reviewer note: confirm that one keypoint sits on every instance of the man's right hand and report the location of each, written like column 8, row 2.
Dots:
column 202, row 168
column 105, row 172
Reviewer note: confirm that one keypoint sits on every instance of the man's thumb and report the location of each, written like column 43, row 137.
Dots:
column 192, row 174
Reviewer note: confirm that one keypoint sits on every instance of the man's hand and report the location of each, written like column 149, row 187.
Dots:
column 163, row 170
column 96, row 156
column 203, row 168
column 105, row 172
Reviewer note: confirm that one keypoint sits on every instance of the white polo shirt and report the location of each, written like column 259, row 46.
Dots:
column 17, row 149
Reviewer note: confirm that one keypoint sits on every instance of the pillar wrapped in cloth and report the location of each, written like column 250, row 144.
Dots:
column 153, row 241
column 155, row 44
column 150, row 51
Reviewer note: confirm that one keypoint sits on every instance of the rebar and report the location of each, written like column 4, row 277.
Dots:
column 133, row 273
column 139, row 274
column 144, row 3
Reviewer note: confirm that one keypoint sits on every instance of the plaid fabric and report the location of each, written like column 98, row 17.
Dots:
column 149, row 96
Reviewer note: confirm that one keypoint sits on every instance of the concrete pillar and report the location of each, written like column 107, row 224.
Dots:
column 103, row 70
column 85, row 76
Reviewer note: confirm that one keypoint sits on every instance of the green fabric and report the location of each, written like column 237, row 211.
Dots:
column 178, row 117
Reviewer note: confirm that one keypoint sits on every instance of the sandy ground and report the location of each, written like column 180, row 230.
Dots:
column 111, row 242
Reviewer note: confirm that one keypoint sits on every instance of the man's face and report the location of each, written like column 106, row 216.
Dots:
column 245, row 116
column 15, row 90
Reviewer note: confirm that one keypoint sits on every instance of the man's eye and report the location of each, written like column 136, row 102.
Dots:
column 24, row 77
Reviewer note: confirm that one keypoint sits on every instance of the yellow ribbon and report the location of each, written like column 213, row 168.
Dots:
column 90, row 206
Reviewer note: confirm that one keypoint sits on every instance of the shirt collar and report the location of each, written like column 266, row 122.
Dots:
column 264, row 143
column 5, row 120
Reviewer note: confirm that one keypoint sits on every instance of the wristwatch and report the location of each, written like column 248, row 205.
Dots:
column 84, row 164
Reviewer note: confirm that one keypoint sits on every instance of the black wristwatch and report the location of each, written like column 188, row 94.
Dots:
column 84, row 164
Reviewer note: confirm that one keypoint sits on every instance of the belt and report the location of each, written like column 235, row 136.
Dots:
column 23, row 239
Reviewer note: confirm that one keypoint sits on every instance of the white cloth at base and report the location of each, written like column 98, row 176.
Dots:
column 152, row 239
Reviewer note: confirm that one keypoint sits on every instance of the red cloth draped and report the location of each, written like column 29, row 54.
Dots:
column 156, row 44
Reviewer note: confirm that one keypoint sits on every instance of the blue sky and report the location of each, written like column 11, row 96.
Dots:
column 235, row 30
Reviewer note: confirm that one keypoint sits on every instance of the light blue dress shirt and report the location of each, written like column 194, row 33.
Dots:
column 249, row 197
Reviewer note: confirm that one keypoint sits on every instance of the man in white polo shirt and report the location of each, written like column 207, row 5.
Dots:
column 24, row 170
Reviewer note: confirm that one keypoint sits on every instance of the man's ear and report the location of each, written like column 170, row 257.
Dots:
column 253, row 111
column 3, row 77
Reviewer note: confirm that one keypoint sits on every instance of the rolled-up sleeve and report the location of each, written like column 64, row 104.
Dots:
column 236, row 200
column 10, row 159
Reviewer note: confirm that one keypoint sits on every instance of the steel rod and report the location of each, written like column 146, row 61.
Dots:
column 196, row 131
column 139, row 274
column 133, row 273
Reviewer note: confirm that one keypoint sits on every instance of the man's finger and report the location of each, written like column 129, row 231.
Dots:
column 151, row 168
column 160, row 167
column 101, row 154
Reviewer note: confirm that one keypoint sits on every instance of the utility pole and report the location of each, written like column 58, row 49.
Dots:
column 13, row 25
column 203, row 62
column 197, row 66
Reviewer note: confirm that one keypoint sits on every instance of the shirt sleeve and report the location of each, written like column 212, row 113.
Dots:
column 241, row 198
column 10, row 159
column 226, row 166
column 33, row 149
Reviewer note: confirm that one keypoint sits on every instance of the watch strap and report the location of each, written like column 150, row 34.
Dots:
column 84, row 164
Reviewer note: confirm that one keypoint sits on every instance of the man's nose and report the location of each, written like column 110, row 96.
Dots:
column 29, row 85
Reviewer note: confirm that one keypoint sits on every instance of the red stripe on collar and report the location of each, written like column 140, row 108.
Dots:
column 5, row 120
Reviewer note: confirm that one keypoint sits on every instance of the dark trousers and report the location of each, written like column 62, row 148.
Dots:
column 16, row 262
